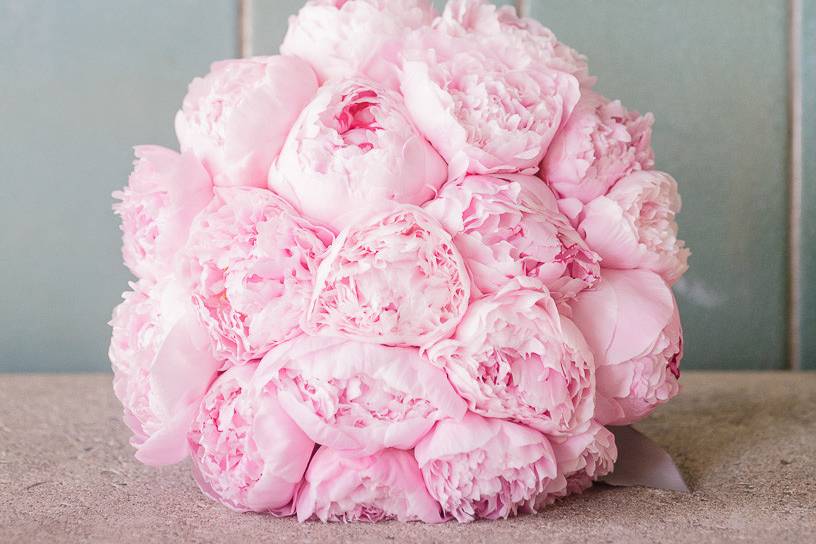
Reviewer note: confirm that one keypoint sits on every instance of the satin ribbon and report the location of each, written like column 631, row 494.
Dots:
column 641, row 462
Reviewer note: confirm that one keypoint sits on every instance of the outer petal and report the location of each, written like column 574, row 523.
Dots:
column 251, row 261
column 354, row 150
column 513, row 356
column 484, row 106
column 162, row 367
column 181, row 373
column 485, row 468
column 165, row 192
column 624, row 315
column 509, row 226
column 582, row 459
column 236, row 118
column 247, row 453
column 343, row 39
column 634, row 226
column 385, row 485
column 395, row 279
column 606, row 228
column 632, row 324
column 501, row 27
column 600, row 143
column 357, row 396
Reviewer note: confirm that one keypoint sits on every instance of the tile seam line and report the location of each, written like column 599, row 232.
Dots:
column 245, row 14
column 795, row 184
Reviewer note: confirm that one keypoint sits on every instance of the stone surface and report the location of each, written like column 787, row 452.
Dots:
column 745, row 441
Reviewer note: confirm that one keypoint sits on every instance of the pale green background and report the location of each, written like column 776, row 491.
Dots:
column 83, row 81
column 714, row 74
column 808, row 329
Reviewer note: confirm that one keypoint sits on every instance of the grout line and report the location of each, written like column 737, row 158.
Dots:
column 795, row 185
column 245, row 28
column 521, row 8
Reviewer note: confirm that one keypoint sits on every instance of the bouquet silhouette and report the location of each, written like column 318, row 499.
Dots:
column 409, row 269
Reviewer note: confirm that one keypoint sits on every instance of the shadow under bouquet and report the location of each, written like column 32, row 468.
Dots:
column 412, row 268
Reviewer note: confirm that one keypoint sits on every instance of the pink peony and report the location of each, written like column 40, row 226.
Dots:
column 161, row 368
column 237, row 116
column 485, row 108
column 251, row 260
column 633, row 226
column 357, row 396
column 345, row 38
column 513, row 356
column 164, row 193
column 631, row 322
column 395, row 279
column 410, row 269
column 584, row 458
column 501, row 26
column 383, row 486
column 247, row 453
column 485, row 468
column 601, row 143
column 510, row 227
column 355, row 149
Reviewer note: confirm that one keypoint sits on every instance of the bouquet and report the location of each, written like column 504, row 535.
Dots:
column 411, row 268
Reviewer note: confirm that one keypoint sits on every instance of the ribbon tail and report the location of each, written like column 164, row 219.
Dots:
column 641, row 462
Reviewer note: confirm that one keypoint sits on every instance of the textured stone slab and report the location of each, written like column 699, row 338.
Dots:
column 746, row 443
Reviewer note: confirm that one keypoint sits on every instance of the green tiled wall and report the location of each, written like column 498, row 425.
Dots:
column 714, row 72
column 808, row 326
column 83, row 81
column 269, row 23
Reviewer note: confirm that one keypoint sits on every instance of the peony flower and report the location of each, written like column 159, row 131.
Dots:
column 361, row 397
column 251, row 260
column 379, row 487
column 601, row 143
column 586, row 457
column 236, row 117
column 345, row 38
column 582, row 459
column 164, row 193
column 247, row 453
column 500, row 25
column 355, row 149
column 395, row 279
column 513, row 356
column 161, row 368
column 510, row 227
column 632, row 324
column 485, row 468
column 485, row 108
column 633, row 226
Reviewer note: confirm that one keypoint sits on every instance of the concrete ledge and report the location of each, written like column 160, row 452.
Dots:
column 745, row 441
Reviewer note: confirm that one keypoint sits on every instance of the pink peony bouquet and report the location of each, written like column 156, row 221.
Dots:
column 409, row 269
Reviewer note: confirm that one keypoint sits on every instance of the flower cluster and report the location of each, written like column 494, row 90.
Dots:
column 409, row 269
